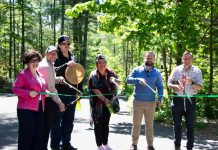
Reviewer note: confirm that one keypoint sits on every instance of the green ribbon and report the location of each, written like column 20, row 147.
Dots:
column 88, row 96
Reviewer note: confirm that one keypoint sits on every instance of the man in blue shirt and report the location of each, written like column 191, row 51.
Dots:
column 146, row 79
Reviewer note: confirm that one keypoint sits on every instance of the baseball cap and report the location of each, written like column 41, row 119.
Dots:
column 63, row 38
column 51, row 48
column 99, row 56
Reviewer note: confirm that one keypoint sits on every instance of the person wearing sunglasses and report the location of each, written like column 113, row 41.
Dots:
column 62, row 124
column 29, row 86
column 146, row 79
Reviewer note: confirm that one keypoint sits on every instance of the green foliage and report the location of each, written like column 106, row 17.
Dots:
column 135, row 26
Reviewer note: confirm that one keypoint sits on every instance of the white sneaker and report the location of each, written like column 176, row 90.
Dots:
column 106, row 147
column 100, row 148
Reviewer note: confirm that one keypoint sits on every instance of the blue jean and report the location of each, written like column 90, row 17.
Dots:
column 30, row 129
column 182, row 106
column 62, row 124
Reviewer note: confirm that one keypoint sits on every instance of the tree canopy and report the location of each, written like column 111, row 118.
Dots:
column 121, row 29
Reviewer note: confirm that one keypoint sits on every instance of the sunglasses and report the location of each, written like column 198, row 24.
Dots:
column 34, row 60
column 65, row 44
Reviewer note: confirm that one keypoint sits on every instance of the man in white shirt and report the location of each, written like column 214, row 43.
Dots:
column 185, row 80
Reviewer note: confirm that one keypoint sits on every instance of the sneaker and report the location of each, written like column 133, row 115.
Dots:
column 100, row 148
column 56, row 149
column 69, row 147
column 177, row 148
column 151, row 148
column 106, row 147
column 133, row 147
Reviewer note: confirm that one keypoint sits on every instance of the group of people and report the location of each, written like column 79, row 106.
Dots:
column 41, row 114
column 42, row 111
column 185, row 80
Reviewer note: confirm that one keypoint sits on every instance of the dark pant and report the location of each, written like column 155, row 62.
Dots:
column 49, row 105
column 182, row 106
column 101, row 127
column 62, row 124
column 30, row 129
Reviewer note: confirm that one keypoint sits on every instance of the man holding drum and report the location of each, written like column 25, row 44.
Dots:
column 62, row 124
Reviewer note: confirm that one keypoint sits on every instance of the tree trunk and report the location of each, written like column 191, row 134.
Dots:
column 10, row 43
column 211, row 49
column 40, row 28
column 14, row 41
column 62, row 16
column 85, row 41
column 54, row 23
column 23, row 31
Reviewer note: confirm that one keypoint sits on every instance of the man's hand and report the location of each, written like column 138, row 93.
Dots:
column 158, row 104
column 71, row 63
column 61, row 107
column 188, row 81
column 59, row 80
column 46, row 93
column 142, row 82
column 177, row 87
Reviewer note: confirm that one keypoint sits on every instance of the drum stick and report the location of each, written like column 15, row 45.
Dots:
column 72, row 87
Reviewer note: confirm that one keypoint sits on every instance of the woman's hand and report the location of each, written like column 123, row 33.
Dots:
column 33, row 94
column 106, row 102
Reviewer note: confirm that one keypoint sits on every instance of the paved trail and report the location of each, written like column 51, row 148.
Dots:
column 83, row 135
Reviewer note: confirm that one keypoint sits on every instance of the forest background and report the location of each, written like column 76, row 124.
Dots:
column 123, row 30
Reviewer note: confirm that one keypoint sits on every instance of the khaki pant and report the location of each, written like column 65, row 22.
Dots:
column 148, row 110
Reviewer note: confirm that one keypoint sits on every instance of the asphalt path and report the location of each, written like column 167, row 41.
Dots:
column 83, row 134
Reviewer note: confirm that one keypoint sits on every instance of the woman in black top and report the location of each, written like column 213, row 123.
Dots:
column 101, row 84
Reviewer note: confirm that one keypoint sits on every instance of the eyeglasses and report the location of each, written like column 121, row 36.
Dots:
column 34, row 60
column 65, row 44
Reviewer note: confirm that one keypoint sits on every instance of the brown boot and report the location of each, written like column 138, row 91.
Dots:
column 151, row 148
column 133, row 147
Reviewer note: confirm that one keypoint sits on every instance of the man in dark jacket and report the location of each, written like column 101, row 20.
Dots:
column 62, row 124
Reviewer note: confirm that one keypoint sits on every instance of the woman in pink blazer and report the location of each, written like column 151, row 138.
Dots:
column 28, row 87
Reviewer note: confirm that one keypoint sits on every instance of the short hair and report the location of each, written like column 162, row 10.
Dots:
column 187, row 52
column 149, row 52
column 99, row 56
column 31, row 53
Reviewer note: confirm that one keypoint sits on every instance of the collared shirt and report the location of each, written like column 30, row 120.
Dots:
column 193, row 73
column 153, row 79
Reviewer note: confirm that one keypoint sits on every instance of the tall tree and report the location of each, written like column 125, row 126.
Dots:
column 54, row 22
column 62, row 16
column 211, row 47
column 10, row 43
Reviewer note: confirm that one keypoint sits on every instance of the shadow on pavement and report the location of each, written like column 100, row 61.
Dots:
column 8, row 130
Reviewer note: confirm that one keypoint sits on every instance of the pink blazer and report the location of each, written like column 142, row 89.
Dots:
column 24, row 83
